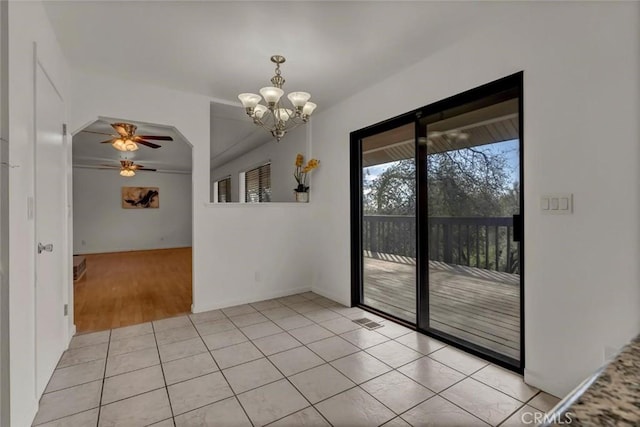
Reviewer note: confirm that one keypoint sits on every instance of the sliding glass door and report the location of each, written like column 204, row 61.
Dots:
column 389, row 221
column 436, row 214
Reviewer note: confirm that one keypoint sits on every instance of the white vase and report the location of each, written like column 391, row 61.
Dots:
column 302, row 196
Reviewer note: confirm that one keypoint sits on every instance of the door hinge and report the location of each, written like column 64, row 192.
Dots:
column 66, row 309
column 64, row 129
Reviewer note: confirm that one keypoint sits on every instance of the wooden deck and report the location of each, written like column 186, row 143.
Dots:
column 480, row 306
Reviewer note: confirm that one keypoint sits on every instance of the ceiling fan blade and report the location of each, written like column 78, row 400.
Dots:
column 108, row 167
column 99, row 133
column 155, row 137
column 121, row 130
column 146, row 169
column 110, row 141
column 148, row 144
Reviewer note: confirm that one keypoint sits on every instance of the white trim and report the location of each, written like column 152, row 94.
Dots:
column 541, row 382
column 255, row 297
column 328, row 295
column 242, row 185
column 232, row 205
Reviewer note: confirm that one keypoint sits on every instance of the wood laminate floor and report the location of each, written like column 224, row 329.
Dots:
column 126, row 288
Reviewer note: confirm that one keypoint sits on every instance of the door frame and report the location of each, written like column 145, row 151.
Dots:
column 422, row 273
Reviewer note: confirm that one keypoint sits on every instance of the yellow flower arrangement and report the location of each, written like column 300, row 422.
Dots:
column 301, row 172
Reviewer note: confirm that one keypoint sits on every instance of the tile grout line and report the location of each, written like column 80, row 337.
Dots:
column 287, row 331
column 164, row 378
column 104, row 376
column 287, row 379
column 435, row 393
column 281, row 373
column 235, row 396
column 356, row 385
column 66, row 388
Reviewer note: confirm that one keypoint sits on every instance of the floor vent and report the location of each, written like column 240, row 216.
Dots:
column 368, row 323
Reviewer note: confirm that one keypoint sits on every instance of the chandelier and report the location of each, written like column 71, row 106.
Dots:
column 274, row 117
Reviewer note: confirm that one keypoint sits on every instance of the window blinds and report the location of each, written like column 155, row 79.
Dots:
column 224, row 190
column 257, row 187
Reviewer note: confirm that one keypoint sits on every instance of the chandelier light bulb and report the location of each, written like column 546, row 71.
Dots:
column 298, row 99
column 249, row 100
column 271, row 95
column 284, row 114
column 308, row 108
column 259, row 111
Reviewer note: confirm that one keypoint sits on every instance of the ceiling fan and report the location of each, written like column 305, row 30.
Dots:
column 128, row 168
column 127, row 140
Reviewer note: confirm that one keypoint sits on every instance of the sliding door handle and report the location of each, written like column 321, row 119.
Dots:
column 517, row 228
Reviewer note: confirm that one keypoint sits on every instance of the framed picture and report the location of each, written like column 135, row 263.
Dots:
column 140, row 198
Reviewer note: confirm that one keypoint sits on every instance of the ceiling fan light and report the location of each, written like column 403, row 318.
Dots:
column 299, row 99
column 118, row 144
column 308, row 108
column 271, row 94
column 249, row 100
column 129, row 145
column 127, row 172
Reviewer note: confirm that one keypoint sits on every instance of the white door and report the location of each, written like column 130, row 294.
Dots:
column 50, row 202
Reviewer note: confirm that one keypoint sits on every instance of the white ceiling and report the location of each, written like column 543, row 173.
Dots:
column 333, row 48
column 220, row 49
column 172, row 156
column 233, row 133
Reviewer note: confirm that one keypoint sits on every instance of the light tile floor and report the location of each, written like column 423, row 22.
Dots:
column 292, row 361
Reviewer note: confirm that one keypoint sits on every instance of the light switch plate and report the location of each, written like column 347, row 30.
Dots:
column 556, row 204
column 544, row 203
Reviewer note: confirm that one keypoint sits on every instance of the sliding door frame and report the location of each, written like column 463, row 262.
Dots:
column 514, row 81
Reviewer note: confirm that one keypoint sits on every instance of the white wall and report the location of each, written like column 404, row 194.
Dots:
column 28, row 24
column 581, row 64
column 100, row 224
column 282, row 156
column 4, row 216
column 240, row 253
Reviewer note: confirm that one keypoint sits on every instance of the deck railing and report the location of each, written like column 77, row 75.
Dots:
column 475, row 242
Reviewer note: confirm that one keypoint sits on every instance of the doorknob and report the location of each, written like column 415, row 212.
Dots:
column 42, row 248
column 517, row 228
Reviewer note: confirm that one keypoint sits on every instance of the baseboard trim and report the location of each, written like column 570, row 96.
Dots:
column 117, row 251
column 536, row 380
column 199, row 308
column 330, row 296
